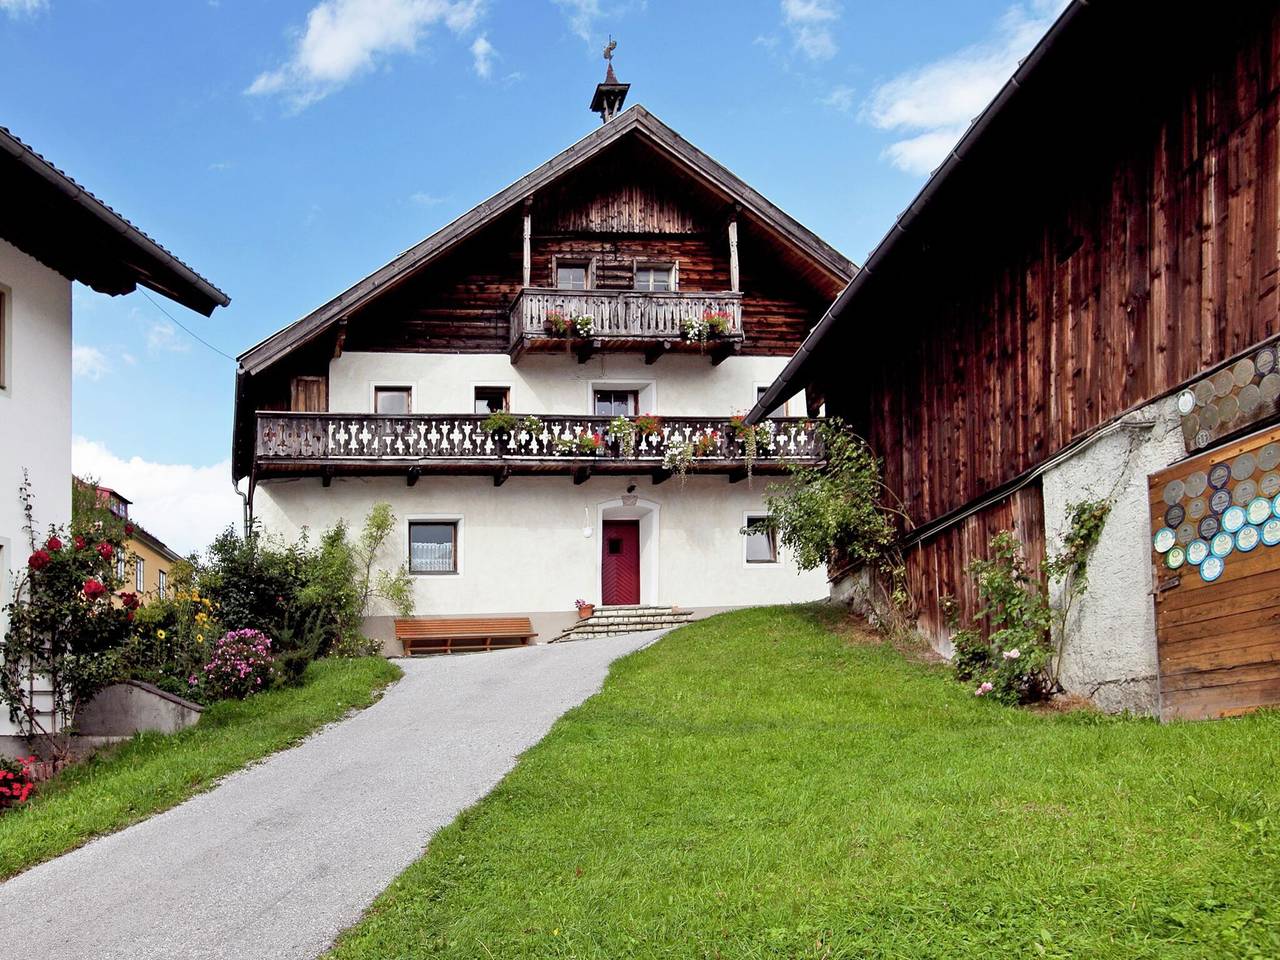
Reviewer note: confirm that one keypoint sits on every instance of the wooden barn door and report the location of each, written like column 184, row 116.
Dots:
column 1215, row 529
column 620, row 569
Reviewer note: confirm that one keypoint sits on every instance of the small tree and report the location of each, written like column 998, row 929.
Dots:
column 395, row 588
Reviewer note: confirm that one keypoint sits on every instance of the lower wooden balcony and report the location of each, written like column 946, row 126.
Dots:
column 584, row 322
column 336, row 444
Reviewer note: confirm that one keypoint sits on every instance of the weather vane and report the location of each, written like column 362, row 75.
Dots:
column 610, row 47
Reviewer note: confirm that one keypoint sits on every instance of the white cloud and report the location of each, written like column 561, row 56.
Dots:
column 185, row 506
column 840, row 98
column 483, row 54
column 344, row 38
column 87, row 362
column 426, row 199
column 582, row 16
column 932, row 105
column 810, row 23
column 16, row 8
column 163, row 337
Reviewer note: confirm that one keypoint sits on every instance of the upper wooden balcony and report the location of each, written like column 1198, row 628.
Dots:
column 362, row 444
column 652, row 323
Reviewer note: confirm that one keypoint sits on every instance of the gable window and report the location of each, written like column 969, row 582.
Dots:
column 761, row 540
column 433, row 546
column 140, row 575
column 616, row 403
column 572, row 274
column 493, row 399
column 657, row 277
column 393, row 400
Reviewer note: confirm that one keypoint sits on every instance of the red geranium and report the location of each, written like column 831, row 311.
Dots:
column 81, row 543
column 53, row 545
column 93, row 588
column 104, row 550
column 39, row 560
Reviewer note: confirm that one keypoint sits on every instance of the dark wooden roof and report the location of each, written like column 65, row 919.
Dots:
column 52, row 218
column 636, row 121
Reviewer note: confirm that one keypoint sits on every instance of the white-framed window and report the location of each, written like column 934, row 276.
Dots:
column 490, row 399
column 392, row 399
column 655, row 277
column 434, row 545
column 162, row 583
column 139, row 575
column 120, row 568
column 760, row 541
column 5, row 341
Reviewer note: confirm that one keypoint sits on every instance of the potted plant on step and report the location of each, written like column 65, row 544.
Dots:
column 585, row 609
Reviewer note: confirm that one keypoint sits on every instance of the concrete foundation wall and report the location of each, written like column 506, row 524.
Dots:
column 124, row 709
column 1109, row 651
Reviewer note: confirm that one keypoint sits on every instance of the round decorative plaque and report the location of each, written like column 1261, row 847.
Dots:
column 1197, row 550
column 1247, row 538
column 1164, row 540
column 1222, row 544
column 1211, row 569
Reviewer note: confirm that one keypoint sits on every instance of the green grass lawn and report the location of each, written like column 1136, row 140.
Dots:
column 757, row 786
column 153, row 772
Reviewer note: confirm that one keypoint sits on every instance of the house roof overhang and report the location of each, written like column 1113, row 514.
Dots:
column 53, row 219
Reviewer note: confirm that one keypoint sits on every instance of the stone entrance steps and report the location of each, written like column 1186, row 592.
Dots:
column 612, row 621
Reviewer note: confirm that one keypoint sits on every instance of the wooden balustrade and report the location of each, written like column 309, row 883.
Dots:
column 335, row 438
column 622, row 314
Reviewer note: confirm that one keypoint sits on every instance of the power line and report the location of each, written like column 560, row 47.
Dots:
column 189, row 331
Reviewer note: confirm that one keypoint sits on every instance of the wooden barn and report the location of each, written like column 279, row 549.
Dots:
column 1083, row 302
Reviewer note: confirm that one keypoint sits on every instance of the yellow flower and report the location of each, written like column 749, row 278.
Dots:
column 199, row 638
column 160, row 634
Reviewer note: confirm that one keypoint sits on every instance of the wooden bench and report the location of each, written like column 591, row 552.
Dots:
column 462, row 634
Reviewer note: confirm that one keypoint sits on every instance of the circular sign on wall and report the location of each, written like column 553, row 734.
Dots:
column 1164, row 540
column 1222, row 544
column 1211, row 569
column 1243, row 372
column 1196, row 483
column 1209, row 526
column 1186, row 533
column 1174, row 516
column 1203, row 391
column 1269, row 485
column 1269, row 456
column 1173, row 491
column 1250, row 398
column 1271, row 532
column 1196, row 508
column 1259, row 510
column 1228, row 408
column 1244, row 491
column 1219, row 475
column 1197, row 550
column 1242, row 467
column 1220, row 500
column 1233, row 519
column 1175, row 558
column 1186, row 402
column 1247, row 539
column 1223, row 382
column 1265, row 361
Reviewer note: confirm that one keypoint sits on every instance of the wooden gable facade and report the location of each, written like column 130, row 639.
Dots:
column 629, row 195
column 1106, row 235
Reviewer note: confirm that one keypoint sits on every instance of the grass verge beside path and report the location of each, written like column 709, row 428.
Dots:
column 756, row 785
column 153, row 772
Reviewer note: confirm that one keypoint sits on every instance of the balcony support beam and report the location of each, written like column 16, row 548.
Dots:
column 326, row 477
column 661, row 476
column 413, row 475
column 724, row 351
column 652, row 353
column 737, row 475
column 500, row 477
column 585, row 349
column 581, row 475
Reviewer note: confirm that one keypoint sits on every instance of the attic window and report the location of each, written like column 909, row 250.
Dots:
column 658, row 277
column 572, row 274
column 393, row 400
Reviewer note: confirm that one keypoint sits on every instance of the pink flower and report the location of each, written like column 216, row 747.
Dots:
column 983, row 689
column 1013, row 654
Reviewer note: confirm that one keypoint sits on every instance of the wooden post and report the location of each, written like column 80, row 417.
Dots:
column 734, row 285
column 528, row 234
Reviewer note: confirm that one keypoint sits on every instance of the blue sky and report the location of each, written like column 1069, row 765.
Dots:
column 285, row 149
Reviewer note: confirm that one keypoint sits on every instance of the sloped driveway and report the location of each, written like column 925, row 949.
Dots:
column 279, row 859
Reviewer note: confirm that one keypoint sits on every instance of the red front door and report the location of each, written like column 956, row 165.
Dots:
column 620, row 577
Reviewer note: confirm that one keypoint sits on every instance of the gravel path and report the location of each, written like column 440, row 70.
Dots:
column 279, row 859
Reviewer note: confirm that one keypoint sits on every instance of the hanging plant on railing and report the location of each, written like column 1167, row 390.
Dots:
column 531, row 425
column 500, row 422
column 647, row 425
column 623, row 432
column 681, row 453
column 718, row 323
column 557, row 323
column 584, row 325
column 754, row 439
column 583, row 445
column 695, row 329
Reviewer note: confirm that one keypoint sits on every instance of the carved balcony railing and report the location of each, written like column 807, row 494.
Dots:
column 303, row 442
column 640, row 319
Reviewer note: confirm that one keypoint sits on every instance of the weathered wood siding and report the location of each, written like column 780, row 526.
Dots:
column 1007, row 339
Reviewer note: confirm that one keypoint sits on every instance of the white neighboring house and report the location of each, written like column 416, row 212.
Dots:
column 54, row 232
column 382, row 393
